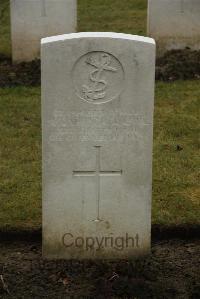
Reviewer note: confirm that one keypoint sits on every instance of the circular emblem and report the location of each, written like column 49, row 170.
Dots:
column 98, row 77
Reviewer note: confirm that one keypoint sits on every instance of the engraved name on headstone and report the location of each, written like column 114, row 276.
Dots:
column 97, row 116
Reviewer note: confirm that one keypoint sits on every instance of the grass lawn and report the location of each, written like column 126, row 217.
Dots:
column 127, row 16
column 20, row 168
column 175, row 177
column 5, row 40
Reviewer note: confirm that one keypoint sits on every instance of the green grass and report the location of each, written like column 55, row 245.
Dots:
column 128, row 16
column 20, row 168
column 175, row 173
column 5, row 40
column 176, row 194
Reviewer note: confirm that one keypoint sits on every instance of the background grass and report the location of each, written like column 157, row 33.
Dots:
column 20, row 168
column 128, row 16
column 5, row 40
column 176, row 192
column 175, row 165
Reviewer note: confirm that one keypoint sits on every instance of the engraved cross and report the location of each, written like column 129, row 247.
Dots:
column 43, row 8
column 98, row 173
column 182, row 6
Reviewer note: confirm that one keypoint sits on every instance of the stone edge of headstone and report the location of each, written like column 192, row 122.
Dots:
column 124, row 36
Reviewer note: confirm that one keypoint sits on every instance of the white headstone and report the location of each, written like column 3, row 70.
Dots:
column 97, row 114
column 32, row 20
column 174, row 24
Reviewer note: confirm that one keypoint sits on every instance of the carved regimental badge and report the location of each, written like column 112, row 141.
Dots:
column 98, row 77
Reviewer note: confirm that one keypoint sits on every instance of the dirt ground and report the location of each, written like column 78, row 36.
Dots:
column 26, row 74
column 178, row 65
column 172, row 271
column 174, row 65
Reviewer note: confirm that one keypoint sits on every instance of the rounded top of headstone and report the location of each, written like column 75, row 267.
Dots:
column 112, row 35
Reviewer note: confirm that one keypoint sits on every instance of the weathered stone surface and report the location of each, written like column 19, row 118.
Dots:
column 97, row 114
column 32, row 20
column 174, row 24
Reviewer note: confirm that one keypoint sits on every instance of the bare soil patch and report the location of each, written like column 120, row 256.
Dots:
column 178, row 65
column 25, row 73
column 172, row 271
column 174, row 65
